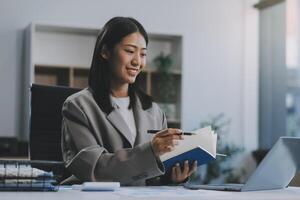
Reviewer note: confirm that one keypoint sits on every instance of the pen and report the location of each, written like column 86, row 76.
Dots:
column 183, row 133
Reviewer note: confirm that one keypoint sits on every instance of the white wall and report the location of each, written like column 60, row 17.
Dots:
column 214, row 51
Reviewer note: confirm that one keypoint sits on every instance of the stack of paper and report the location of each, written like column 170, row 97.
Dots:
column 24, row 177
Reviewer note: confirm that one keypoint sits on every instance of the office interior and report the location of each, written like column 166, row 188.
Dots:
column 235, row 64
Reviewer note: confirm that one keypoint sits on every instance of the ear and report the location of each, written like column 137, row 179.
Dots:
column 104, row 53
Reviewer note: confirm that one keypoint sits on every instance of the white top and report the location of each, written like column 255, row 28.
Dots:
column 126, row 113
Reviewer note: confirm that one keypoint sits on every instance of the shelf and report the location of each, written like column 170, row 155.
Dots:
column 46, row 65
column 174, row 70
column 51, row 76
column 59, row 28
column 165, row 89
column 80, row 78
column 61, row 55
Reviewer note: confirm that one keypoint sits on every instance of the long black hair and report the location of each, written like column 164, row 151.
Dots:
column 100, row 73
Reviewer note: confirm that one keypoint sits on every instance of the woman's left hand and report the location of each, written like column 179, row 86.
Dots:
column 178, row 175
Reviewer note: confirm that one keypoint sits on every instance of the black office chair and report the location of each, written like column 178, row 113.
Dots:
column 45, row 122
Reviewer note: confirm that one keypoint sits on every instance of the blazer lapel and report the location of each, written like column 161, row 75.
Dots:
column 142, row 119
column 118, row 122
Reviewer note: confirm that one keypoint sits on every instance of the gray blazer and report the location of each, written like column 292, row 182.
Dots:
column 99, row 147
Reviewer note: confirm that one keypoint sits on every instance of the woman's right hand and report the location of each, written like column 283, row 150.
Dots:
column 164, row 141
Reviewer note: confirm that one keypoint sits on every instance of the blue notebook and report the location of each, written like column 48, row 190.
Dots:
column 200, row 147
column 196, row 154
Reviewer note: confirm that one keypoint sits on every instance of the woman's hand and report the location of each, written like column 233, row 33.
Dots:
column 179, row 176
column 165, row 140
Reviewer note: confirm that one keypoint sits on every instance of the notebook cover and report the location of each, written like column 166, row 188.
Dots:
column 196, row 154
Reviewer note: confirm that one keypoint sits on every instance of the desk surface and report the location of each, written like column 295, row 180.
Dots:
column 145, row 193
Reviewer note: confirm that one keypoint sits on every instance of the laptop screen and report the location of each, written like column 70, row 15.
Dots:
column 278, row 167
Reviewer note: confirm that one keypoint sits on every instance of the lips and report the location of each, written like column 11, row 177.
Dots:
column 132, row 71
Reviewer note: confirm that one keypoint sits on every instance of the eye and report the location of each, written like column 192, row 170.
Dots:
column 143, row 54
column 129, row 51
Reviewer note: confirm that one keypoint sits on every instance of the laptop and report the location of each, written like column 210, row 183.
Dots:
column 275, row 171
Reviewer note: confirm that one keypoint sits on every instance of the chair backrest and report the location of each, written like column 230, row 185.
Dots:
column 45, row 121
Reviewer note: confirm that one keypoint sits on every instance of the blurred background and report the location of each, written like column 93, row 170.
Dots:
column 232, row 64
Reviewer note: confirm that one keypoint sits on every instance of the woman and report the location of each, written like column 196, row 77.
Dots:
column 104, row 129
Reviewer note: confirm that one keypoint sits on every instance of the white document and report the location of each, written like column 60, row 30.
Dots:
column 97, row 186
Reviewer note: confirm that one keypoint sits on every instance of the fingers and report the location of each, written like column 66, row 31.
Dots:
column 169, row 131
column 177, row 170
column 171, row 140
column 167, row 145
column 179, row 175
column 165, row 149
column 160, row 147
column 165, row 141
column 173, row 175
column 194, row 168
column 186, row 168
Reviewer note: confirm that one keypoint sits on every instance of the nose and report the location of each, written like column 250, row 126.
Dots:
column 136, row 61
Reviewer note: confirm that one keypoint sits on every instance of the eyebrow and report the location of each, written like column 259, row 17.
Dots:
column 134, row 46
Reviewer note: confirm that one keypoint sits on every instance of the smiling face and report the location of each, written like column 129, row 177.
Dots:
column 128, row 59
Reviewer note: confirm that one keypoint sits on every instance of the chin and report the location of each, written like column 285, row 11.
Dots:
column 132, row 81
